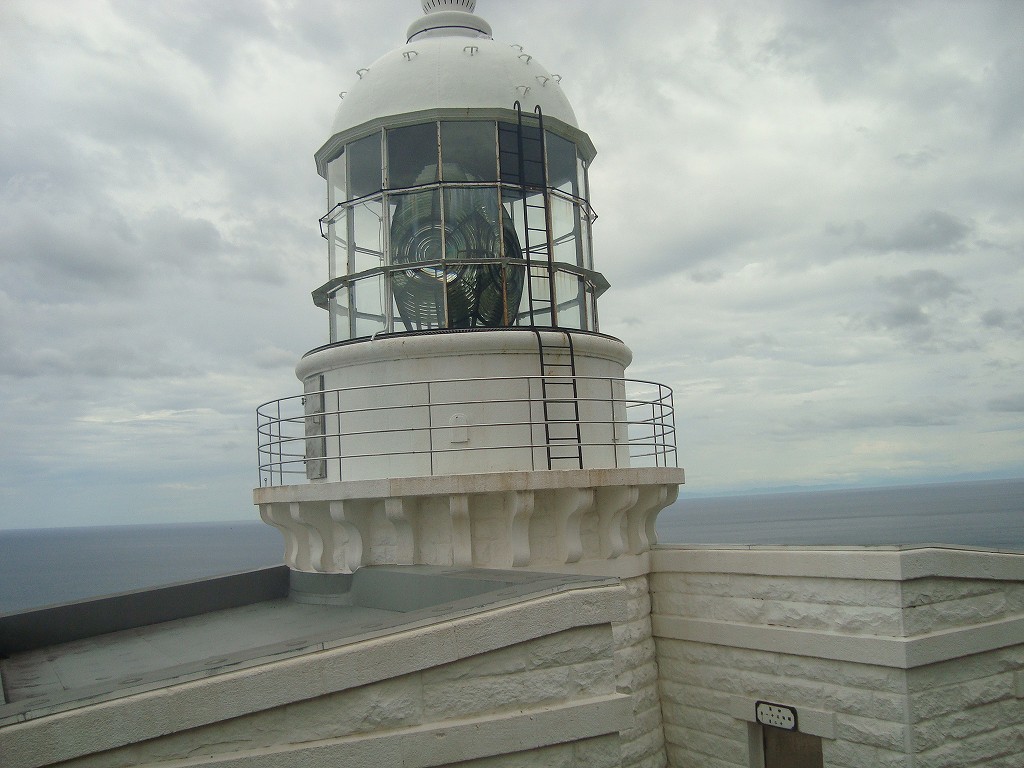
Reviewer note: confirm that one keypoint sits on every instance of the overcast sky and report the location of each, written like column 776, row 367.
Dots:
column 811, row 215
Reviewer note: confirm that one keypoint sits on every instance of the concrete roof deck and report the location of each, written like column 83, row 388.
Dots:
column 142, row 641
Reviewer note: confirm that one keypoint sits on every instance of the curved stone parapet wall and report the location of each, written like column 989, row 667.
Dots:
column 544, row 520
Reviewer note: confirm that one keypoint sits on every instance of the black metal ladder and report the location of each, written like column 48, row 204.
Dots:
column 561, row 405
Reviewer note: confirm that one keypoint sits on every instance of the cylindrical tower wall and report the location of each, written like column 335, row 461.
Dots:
column 461, row 403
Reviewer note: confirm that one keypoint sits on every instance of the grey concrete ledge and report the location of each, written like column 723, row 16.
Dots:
column 894, row 652
column 874, row 563
column 482, row 482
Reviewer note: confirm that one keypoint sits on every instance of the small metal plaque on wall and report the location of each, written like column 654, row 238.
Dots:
column 775, row 715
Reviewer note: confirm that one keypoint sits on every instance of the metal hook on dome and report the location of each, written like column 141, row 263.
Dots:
column 523, row 89
column 516, row 45
column 362, row 72
column 556, row 78
column 472, row 50
column 342, row 94
column 410, row 55
column 543, row 80
column 525, row 57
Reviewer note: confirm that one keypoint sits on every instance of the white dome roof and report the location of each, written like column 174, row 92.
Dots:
column 450, row 64
column 452, row 72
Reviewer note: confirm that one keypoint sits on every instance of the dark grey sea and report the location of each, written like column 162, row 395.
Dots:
column 47, row 566
column 986, row 513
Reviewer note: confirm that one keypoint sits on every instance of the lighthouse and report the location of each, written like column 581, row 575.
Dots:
column 467, row 483
column 467, row 408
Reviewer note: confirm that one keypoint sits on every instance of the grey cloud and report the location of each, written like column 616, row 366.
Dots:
column 58, row 256
column 1003, row 320
column 918, row 158
column 209, row 35
column 92, row 360
column 1007, row 85
column 923, row 285
column 706, row 275
column 880, row 416
column 934, row 231
column 1008, row 404
column 838, row 45
column 902, row 316
column 917, row 310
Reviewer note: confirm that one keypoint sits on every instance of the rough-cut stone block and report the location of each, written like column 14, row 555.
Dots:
column 630, row 680
column 631, row 632
column 961, row 724
column 929, row 591
column 975, row 750
column 966, row 668
column 505, row 661
column 461, row 698
column 634, row 656
column 701, row 719
column 846, row 754
column 681, row 756
column 601, row 752
column 944, row 699
column 639, row 746
column 868, row 730
column 962, row 612
column 704, row 743
column 570, row 647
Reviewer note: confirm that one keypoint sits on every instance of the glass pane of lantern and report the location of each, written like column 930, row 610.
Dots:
column 535, row 305
column 428, row 311
column 368, row 305
column 337, row 244
column 468, row 151
column 416, row 237
column 415, row 221
column 471, row 223
column 367, row 249
column 569, row 296
column 562, row 164
column 527, row 169
column 564, row 230
column 337, row 305
column 336, row 182
column 412, row 155
column 364, row 164
column 587, row 253
column 478, row 229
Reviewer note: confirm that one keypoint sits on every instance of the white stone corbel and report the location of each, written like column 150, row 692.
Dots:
column 569, row 506
column 348, row 540
column 519, row 506
column 641, row 518
column 277, row 516
column 396, row 509
column 310, row 550
column 462, row 531
column 613, row 503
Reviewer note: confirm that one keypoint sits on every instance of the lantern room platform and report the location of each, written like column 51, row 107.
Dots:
column 598, row 521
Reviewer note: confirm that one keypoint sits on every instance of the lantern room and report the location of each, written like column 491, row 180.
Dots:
column 462, row 204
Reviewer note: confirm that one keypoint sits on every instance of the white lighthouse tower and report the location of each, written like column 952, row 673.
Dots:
column 467, row 410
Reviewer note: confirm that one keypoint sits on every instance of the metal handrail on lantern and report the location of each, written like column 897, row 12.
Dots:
column 632, row 420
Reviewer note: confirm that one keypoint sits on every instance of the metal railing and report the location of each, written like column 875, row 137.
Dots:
column 627, row 422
